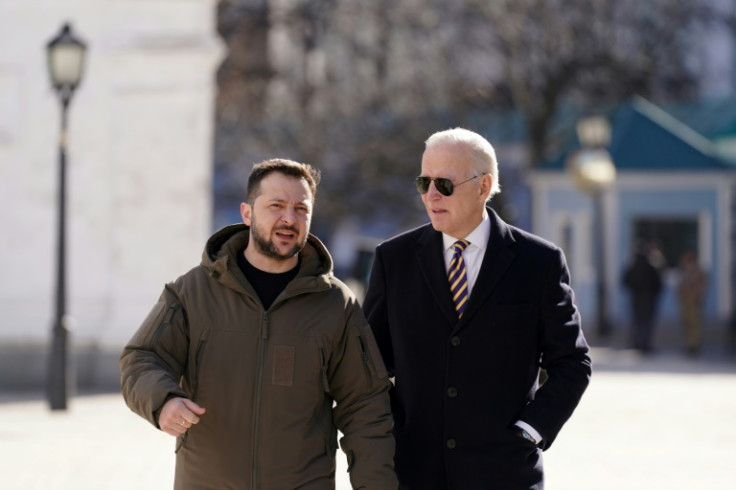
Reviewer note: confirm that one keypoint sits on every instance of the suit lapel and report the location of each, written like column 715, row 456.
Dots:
column 432, row 264
column 497, row 259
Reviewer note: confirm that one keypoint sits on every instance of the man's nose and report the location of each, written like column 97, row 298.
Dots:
column 432, row 192
column 288, row 216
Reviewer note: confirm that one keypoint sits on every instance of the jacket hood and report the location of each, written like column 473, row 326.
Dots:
column 223, row 246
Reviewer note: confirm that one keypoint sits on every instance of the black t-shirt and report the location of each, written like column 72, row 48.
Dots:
column 267, row 284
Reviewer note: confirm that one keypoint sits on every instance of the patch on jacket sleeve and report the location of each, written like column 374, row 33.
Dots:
column 283, row 365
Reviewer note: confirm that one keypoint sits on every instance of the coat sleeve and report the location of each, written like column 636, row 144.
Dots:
column 153, row 360
column 359, row 384
column 564, row 355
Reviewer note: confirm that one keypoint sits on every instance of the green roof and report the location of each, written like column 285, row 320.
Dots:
column 713, row 117
column 646, row 138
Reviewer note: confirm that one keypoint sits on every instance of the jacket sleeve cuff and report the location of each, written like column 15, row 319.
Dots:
column 531, row 430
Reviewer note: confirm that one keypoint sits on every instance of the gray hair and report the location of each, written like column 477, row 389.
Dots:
column 481, row 151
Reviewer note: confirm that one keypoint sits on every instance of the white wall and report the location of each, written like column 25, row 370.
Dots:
column 139, row 162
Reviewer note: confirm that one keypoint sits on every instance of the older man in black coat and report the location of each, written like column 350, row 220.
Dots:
column 466, row 353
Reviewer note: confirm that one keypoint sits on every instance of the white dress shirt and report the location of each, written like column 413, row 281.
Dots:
column 474, row 253
column 473, row 257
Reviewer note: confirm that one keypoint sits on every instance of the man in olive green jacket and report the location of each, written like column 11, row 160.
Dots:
column 255, row 358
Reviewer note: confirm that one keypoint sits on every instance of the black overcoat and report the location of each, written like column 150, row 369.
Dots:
column 461, row 384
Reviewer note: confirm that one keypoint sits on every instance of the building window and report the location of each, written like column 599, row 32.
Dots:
column 672, row 236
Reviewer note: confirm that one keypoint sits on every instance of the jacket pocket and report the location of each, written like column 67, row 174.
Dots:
column 181, row 441
column 328, row 429
column 197, row 369
column 371, row 356
column 154, row 325
column 325, row 378
column 164, row 314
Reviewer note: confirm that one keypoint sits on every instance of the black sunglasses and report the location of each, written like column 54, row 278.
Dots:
column 443, row 185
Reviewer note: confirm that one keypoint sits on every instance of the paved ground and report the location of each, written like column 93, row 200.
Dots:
column 645, row 423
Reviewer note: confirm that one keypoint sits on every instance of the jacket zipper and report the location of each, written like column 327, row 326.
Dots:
column 257, row 400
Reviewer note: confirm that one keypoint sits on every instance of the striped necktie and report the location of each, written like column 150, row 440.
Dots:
column 458, row 277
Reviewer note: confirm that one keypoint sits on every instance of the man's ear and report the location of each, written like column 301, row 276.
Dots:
column 245, row 212
column 486, row 183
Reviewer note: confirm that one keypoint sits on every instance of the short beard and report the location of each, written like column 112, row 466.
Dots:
column 268, row 248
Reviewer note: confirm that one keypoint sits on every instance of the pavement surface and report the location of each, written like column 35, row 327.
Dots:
column 662, row 421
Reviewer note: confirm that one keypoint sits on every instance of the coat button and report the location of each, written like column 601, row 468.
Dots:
column 452, row 392
column 451, row 444
column 455, row 341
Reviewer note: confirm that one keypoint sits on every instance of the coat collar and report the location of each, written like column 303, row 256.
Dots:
column 498, row 257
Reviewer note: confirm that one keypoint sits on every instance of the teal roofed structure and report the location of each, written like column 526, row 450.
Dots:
column 674, row 189
column 646, row 138
column 713, row 117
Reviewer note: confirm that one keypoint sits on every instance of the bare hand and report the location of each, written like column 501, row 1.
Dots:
column 178, row 415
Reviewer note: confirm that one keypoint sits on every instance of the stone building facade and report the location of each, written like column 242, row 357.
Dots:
column 139, row 200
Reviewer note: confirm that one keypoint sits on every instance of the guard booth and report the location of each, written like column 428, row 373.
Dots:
column 673, row 187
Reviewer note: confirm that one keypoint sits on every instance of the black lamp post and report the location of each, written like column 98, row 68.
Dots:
column 594, row 171
column 65, row 56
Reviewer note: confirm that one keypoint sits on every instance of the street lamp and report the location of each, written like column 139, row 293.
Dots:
column 593, row 171
column 65, row 56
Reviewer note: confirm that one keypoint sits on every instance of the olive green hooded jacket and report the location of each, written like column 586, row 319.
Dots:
column 277, row 384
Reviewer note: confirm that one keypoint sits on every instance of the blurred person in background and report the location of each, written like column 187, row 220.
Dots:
column 466, row 311
column 255, row 358
column 643, row 279
column 690, row 293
